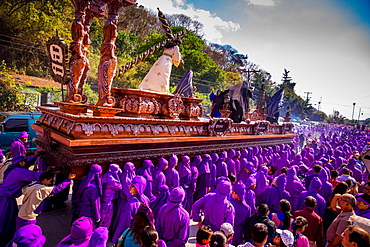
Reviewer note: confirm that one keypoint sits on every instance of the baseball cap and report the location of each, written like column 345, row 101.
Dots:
column 286, row 236
column 227, row 228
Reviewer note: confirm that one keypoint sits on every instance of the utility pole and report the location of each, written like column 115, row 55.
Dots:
column 359, row 114
column 307, row 98
column 319, row 104
column 353, row 111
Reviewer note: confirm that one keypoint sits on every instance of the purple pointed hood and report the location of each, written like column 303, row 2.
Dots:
column 140, row 183
column 238, row 153
column 231, row 154
column 281, row 183
column 112, row 173
column 248, row 165
column 323, row 175
column 196, row 160
column 315, row 185
column 99, row 238
column 214, row 157
column 29, row 235
column 223, row 155
column 244, row 153
column 93, row 175
column 162, row 163
column 81, row 232
column 128, row 172
column 204, row 164
column 291, row 176
column 240, row 189
column 145, row 170
column 251, row 180
column 184, row 167
column 223, row 190
column 172, row 161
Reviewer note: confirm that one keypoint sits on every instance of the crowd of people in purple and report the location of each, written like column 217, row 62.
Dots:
column 312, row 192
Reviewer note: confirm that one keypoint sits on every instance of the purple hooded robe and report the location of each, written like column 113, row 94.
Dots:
column 172, row 175
column 275, row 194
column 242, row 212
column 357, row 174
column 89, row 194
column 250, row 196
column 236, row 160
column 294, row 186
column 261, row 184
column 19, row 148
column 315, row 185
column 81, row 231
column 221, row 166
column 283, row 161
column 124, row 195
column 146, row 171
column 230, row 162
column 127, row 217
column 173, row 220
column 160, row 200
column 327, row 188
column 159, row 178
column 203, row 180
column 192, row 188
column 213, row 170
column 28, row 235
column 216, row 207
column 15, row 178
column 111, row 186
column 99, row 238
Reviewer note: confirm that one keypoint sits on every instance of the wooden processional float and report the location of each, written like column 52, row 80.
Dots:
column 131, row 125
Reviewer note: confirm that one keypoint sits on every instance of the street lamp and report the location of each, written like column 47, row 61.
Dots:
column 353, row 111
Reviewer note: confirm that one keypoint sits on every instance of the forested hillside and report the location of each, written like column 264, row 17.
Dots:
column 26, row 25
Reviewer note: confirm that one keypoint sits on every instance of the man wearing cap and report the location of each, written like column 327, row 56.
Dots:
column 216, row 207
column 344, row 205
column 228, row 231
column 20, row 145
column 284, row 236
column 16, row 176
column 173, row 220
column 363, row 206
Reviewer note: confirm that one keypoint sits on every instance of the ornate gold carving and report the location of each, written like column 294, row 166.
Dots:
column 175, row 106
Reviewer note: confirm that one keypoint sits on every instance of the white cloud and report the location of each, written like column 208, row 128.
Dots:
column 263, row 2
column 213, row 25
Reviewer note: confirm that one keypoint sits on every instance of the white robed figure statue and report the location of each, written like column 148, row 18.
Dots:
column 158, row 77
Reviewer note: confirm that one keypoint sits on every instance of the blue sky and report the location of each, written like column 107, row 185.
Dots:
column 324, row 43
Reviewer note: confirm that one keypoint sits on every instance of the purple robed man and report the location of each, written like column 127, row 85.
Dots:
column 81, row 231
column 221, row 165
column 124, row 195
column 99, row 238
column 236, row 160
column 274, row 194
column 145, row 170
column 20, row 145
column 89, row 194
column 294, row 186
column 16, row 176
column 357, row 174
column 242, row 212
column 28, row 235
column 160, row 200
column 111, row 186
column 315, row 186
column 216, row 207
column 250, row 195
column 203, row 180
column 261, row 184
column 172, row 175
column 159, row 178
column 192, row 188
column 213, row 170
column 185, row 175
column 327, row 188
column 126, row 219
column 173, row 220
column 231, row 169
